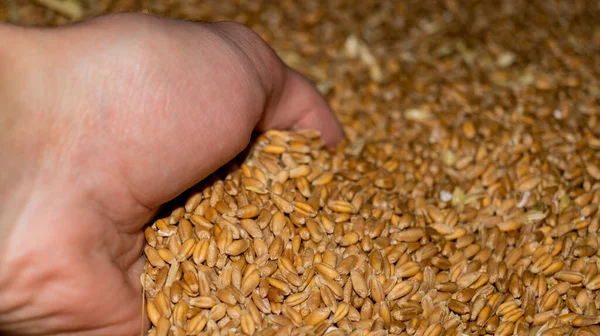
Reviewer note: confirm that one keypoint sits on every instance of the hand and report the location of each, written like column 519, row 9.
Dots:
column 103, row 122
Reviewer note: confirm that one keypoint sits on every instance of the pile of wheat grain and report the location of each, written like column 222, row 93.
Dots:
column 300, row 240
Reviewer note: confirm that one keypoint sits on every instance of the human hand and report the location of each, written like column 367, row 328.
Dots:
column 103, row 122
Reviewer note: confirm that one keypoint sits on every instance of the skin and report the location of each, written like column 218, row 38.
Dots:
column 104, row 121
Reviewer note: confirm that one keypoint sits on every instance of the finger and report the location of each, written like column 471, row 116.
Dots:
column 191, row 104
column 298, row 105
column 252, row 89
column 292, row 101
